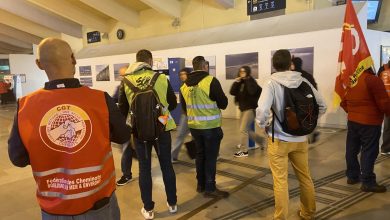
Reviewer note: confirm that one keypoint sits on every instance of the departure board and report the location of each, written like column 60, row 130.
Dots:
column 261, row 6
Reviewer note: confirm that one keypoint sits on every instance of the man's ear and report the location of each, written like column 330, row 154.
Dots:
column 39, row 64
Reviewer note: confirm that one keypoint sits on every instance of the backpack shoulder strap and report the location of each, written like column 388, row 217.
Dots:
column 130, row 85
column 154, row 80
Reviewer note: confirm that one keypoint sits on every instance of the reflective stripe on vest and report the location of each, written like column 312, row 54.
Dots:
column 204, row 118
column 77, row 195
column 74, row 171
column 200, row 106
column 202, row 112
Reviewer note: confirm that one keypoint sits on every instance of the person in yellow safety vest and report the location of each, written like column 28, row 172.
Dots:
column 64, row 131
column 202, row 99
column 140, row 75
column 384, row 74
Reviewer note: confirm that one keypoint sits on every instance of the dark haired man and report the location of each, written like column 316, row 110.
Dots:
column 202, row 99
column 140, row 74
column 286, row 147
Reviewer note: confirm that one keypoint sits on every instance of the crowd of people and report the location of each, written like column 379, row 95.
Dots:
column 66, row 137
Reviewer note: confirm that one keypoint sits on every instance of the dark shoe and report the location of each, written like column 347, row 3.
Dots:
column 375, row 188
column 123, row 181
column 352, row 181
column 200, row 189
column 216, row 193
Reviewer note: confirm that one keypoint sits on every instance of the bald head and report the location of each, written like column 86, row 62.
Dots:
column 56, row 58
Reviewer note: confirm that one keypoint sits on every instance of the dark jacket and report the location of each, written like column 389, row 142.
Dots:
column 298, row 68
column 216, row 91
column 246, row 93
column 308, row 76
column 119, row 131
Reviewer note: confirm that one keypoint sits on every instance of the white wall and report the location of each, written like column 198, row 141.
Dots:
column 326, row 47
column 25, row 64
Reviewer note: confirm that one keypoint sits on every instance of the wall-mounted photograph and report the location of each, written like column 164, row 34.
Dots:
column 306, row 54
column 235, row 61
column 119, row 69
column 86, row 81
column 385, row 54
column 85, row 70
column 102, row 73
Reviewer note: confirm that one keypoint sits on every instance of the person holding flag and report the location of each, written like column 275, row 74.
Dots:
column 362, row 95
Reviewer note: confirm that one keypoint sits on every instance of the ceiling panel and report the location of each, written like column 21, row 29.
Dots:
column 134, row 4
column 87, row 8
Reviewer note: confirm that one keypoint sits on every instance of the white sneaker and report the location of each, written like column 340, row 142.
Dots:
column 147, row 214
column 241, row 154
column 172, row 208
column 254, row 148
column 385, row 153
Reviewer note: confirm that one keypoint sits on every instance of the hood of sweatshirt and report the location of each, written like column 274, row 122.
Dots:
column 137, row 67
column 289, row 79
column 195, row 77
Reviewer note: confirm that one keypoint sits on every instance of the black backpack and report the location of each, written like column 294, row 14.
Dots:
column 145, row 111
column 300, row 111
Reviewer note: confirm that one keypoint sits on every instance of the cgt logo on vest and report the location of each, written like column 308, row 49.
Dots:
column 65, row 128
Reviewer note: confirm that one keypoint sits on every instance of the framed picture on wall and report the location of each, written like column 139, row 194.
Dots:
column 119, row 69
column 235, row 61
column 85, row 70
column 307, row 56
column 385, row 54
column 102, row 72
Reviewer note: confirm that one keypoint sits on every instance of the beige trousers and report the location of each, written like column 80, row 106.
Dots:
column 279, row 154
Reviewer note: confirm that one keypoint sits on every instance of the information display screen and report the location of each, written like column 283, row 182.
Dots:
column 261, row 6
column 93, row 37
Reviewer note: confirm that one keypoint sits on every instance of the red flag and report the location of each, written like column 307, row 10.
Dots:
column 354, row 57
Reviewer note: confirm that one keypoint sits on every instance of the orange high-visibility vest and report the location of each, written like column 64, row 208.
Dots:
column 385, row 76
column 66, row 134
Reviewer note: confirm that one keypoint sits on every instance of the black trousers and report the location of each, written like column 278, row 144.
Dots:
column 386, row 136
column 362, row 139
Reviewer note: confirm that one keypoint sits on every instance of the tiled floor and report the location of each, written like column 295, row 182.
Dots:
column 248, row 179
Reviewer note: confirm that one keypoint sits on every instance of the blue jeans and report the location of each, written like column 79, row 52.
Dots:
column 182, row 132
column 127, row 160
column 108, row 212
column 163, row 150
column 207, row 142
column 362, row 139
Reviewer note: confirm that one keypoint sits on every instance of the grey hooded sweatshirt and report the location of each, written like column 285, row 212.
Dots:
column 272, row 96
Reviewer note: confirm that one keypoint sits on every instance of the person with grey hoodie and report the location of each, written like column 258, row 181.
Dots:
column 286, row 147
